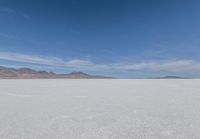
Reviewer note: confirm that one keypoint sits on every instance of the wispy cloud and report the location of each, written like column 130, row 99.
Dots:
column 51, row 61
column 74, row 31
column 164, row 65
column 8, row 10
column 4, row 35
column 13, row 11
column 80, row 64
column 74, row 2
column 26, row 16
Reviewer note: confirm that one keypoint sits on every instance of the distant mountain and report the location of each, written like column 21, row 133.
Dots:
column 164, row 77
column 27, row 73
column 172, row 77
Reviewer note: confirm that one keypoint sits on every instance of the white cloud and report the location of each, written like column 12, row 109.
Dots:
column 164, row 65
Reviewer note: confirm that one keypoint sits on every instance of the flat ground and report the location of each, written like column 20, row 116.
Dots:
column 100, row 109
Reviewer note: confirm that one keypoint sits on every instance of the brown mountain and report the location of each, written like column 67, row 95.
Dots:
column 27, row 73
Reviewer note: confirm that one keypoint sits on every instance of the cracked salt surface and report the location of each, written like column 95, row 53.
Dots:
column 100, row 109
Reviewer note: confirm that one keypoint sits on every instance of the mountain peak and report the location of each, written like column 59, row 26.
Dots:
column 77, row 73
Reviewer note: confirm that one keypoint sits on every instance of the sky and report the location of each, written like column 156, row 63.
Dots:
column 122, row 38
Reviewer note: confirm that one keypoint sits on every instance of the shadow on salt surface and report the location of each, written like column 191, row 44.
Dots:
column 81, row 97
column 61, row 117
column 19, row 95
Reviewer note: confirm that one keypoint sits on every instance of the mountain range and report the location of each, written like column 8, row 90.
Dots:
column 27, row 73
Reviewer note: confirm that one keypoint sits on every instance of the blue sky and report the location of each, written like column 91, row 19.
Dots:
column 124, row 38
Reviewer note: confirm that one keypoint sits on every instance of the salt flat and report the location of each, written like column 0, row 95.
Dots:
column 100, row 109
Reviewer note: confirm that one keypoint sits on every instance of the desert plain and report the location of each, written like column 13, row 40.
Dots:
column 100, row 109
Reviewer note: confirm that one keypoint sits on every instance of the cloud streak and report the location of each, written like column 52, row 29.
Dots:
column 7, row 10
column 165, row 65
column 13, row 11
column 80, row 64
column 51, row 61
